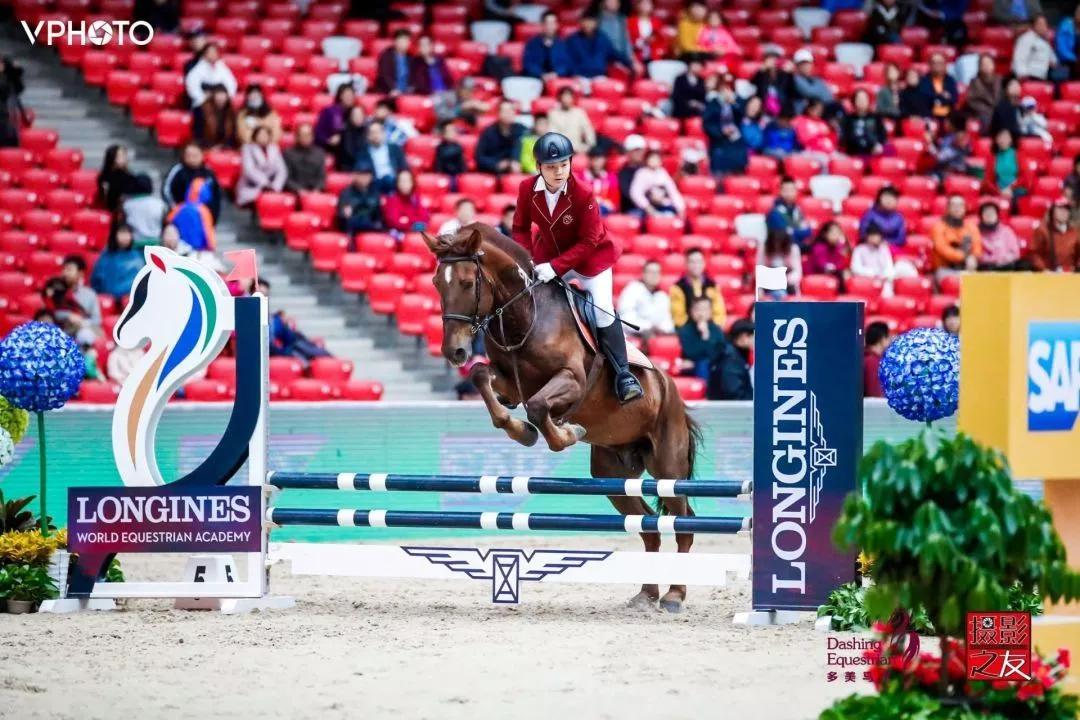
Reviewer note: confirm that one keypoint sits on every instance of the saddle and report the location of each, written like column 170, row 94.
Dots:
column 584, row 312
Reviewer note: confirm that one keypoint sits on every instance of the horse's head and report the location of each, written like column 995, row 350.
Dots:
column 471, row 276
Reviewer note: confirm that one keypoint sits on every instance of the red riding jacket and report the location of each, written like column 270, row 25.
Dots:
column 573, row 237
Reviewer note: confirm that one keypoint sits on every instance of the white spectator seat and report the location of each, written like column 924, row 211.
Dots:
column 858, row 55
column 522, row 90
column 808, row 18
column 334, row 81
column 492, row 33
column 666, row 71
column 834, row 188
column 529, row 12
column 965, row 68
column 342, row 49
column 751, row 225
column 745, row 89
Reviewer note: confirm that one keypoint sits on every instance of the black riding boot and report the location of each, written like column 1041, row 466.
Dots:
column 613, row 343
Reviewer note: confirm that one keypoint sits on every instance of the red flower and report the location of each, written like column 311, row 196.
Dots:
column 1063, row 657
column 1028, row 691
column 1000, row 684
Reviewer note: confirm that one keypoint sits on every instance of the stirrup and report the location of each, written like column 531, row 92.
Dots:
column 627, row 387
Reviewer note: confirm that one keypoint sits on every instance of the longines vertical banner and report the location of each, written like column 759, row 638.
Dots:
column 807, row 445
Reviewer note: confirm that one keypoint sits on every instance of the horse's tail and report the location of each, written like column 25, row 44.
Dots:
column 694, row 441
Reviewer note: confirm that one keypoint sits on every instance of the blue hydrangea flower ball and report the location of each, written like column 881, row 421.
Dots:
column 40, row 367
column 920, row 374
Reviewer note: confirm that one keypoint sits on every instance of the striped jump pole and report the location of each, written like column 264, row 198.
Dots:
column 510, row 485
column 664, row 524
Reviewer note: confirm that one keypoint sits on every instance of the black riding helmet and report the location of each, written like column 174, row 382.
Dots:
column 552, row 147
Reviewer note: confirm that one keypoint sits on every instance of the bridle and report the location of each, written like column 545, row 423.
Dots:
column 481, row 323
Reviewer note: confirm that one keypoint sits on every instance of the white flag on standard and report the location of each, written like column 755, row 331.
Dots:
column 769, row 278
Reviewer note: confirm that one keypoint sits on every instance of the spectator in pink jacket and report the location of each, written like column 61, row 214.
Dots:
column 829, row 253
column 715, row 39
column 653, row 191
column 813, row 133
column 1000, row 246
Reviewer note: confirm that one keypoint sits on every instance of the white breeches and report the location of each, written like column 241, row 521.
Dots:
column 600, row 288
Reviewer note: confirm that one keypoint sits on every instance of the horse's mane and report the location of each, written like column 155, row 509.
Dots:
column 492, row 236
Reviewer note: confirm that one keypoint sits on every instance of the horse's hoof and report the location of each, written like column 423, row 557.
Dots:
column 642, row 601
column 672, row 606
column 530, row 436
column 505, row 402
column 578, row 430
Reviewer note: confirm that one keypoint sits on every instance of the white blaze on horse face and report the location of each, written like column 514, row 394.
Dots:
column 448, row 273
column 523, row 274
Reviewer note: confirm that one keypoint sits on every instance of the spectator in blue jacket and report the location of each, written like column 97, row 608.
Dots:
column 1065, row 44
column 591, row 51
column 546, row 56
column 787, row 216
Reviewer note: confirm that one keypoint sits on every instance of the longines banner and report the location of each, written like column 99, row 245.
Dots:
column 164, row 519
column 807, row 445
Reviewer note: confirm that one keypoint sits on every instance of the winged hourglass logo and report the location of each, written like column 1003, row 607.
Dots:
column 822, row 457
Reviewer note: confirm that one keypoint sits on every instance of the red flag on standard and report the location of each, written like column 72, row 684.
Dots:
column 244, row 266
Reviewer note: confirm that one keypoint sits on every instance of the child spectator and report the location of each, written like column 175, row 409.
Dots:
column 814, row 134
column 449, row 154
column 358, row 208
column 829, row 253
column 262, row 168
column 257, row 113
column 877, row 342
column 403, row 211
column 182, row 175
column 885, row 217
column 653, row 191
column 644, row 304
column 1032, row 122
column 144, row 211
column 464, row 214
column 305, row 162
column 214, row 121
column 604, row 184
column 117, row 266
column 1001, row 247
column 950, row 320
column 779, row 250
column 872, row 258
column 1003, row 168
column 779, row 140
column 694, row 284
column 786, row 216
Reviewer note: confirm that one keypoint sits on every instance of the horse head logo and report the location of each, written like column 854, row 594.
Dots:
column 184, row 310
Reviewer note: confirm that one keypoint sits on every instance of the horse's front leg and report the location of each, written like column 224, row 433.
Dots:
column 517, row 430
column 555, row 399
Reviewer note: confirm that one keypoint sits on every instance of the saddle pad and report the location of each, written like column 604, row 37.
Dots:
column 634, row 356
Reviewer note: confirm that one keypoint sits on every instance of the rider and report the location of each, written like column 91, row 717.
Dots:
column 573, row 243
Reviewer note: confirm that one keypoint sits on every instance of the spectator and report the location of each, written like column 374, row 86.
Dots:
column 257, row 113
column 1003, row 168
column 428, row 72
column 1066, row 43
column 809, row 87
column 816, row 136
column 358, row 207
column 1033, row 55
column 786, row 216
column 1072, row 183
column 464, row 214
column 872, row 258
column 692, row 286
column 779, row 139
column 73, row 273
column 122, row 361
column 162, row 15
column 688, row 91
column 728, row 151
column 115, row 179
column 957, row 243
column 885, row 217
column 752, row 127
column 64, row 311
column 953, row 150
column 467, row 106
column 331, row 120
column 877, row 342
column 506, row 221
column 116, row 267
column 730, row 380
column 911, row 99
column 604, row 184
column 170, row 238
column 398, row 130
column 12, row 113
column 715, row 41
column 1056, row 245
column 644, row 304
column 950, row 320
column 262, row 168
column 386, row 160
column 285, row 339
column 634, row 147
column 862, row 132
column 702, row 339
column 214, row 122
column 937, row 92
column 143, row 211
column 208, row 72
column 779, row 250
column 1006, row 115
column 887, row 19
column 946, row 14
column 497, row 143
column 691, row 23
column 985, row 92
column 888, row 95
column 197, row 42
column 305, row 162
column 1032, row 122
column 352, row 141
column 830, row 253
column 394, row 65
column 192, row 167
column 653, row 191
column 613, row 25
column 525, row 154
column 774, row 86
column 546, row 55
column 449, row 155
column 591, row 52
column 1001, row 248
column 1014, row 12
column 645, row 35
column 573, row 122
column 403, row 211
column 194, row 216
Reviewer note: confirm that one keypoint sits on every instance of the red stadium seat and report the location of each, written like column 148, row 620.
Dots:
column 690, row 388
column 98, row 393
column 327, row 249
column 365, row 390
column 669, row 227
column 95, row 224
column 206, row 390
column 412, row 313
column 823, row 287
column 384, row 291
column 121, row 86
column 273, row 208
column 331, row 369
column 299, row 228
column 308, row 390
column 173, row 127
column 322, row 205
column 355, row 271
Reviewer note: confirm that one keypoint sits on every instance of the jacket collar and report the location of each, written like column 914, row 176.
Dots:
column 540, row 202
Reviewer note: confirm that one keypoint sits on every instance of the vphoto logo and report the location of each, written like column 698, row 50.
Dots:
column 99, row 32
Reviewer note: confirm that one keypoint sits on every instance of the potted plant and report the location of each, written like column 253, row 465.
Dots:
column 949, row 533
column 27, row 586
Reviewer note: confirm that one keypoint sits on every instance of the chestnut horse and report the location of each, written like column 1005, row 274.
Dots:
column 538, row 358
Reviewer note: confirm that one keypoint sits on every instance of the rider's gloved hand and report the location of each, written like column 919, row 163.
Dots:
column 544, row 272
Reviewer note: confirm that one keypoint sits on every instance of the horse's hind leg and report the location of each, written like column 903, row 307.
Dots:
column 519, row 430
column 606, row 462
column 670, row 460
